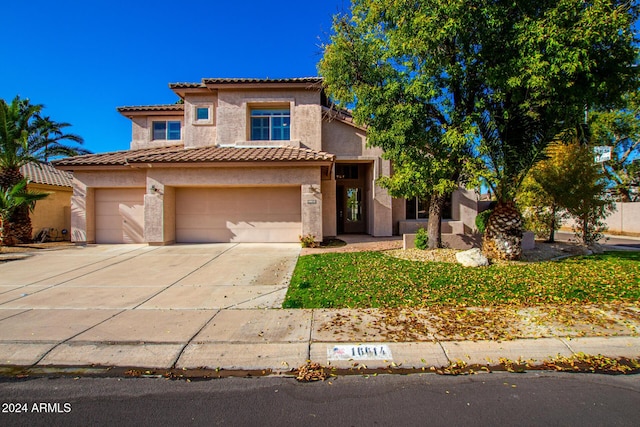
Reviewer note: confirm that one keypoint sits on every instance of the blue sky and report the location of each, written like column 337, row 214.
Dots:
column 82, row 59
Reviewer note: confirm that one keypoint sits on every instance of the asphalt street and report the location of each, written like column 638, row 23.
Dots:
column 530, row 399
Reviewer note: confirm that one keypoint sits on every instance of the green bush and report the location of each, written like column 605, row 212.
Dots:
column 482, row 219
column 422, row 239
column 308, row 241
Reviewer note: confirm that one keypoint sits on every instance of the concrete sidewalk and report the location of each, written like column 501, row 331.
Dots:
column 253, row 339
column 213, row 307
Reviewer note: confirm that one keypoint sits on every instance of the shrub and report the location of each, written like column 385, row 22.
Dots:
column 308, row 241
column 482, row 219
column 422, row 239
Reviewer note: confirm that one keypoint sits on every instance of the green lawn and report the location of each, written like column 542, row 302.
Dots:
column 373, row 279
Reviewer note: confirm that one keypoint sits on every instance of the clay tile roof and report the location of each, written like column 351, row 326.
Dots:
column 44, row 173
column 166, row 107
column 212, row 154
column 184, row 85
column 314, row 80
column 234, row 154
column 113, row 158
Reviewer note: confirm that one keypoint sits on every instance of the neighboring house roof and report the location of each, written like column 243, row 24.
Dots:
column 44, row 173
column 212, row 154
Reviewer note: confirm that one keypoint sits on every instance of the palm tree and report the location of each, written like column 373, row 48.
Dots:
column 47, row 140
column 11, row 199
column 512, row 144
column 25, row 137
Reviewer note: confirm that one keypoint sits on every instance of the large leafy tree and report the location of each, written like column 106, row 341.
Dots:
column 26, row 136
column 425, row 75
column 546, row 61
column 620, row 130
column 406, row 72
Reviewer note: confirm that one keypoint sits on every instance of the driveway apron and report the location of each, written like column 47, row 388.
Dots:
column 131, row 304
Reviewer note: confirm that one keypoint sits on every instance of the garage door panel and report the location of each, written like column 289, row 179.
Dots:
column 238, row 214
column 119, row 215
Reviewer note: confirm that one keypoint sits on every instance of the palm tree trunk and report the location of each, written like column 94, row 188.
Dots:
column 18, row 227
column 1, row 232
column 503, row 235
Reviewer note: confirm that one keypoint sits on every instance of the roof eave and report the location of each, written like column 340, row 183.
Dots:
column 266, row 84
column 233, row 164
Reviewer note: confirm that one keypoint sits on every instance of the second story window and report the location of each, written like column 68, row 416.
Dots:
column 270, row 125
column 169, row 130
column 202, row 113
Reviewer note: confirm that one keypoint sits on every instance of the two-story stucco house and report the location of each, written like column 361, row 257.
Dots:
column 238, row 160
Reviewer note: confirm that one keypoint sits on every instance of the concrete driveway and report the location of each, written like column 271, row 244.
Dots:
column 203, row 276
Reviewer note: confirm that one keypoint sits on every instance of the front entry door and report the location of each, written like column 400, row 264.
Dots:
column 351, row 210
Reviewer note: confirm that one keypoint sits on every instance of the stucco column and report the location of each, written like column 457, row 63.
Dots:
column 312, row 211
column 329, row 218
column 155, row 232
column 382, row 202
column 82, row 213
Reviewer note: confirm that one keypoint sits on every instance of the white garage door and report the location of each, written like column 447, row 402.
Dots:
column 257, row 214
column 119, row 215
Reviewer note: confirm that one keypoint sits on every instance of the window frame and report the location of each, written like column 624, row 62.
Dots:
column 202, row 106
column 274, row 120
column 167, row 130
column 421, row 204
column 205, row 110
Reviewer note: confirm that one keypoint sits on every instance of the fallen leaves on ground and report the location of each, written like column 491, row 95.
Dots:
column 496, row 323
column 311, row 372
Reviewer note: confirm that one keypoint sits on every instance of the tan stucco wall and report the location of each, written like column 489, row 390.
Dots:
column 142, row 129
column 343, row 140
column 234, row 109
column 349, row 145
column 54, row 211
column 329, row 218
column 199, row 133
column 624, row 220
column 464, row 208
column 241, row 176
column 399, row 208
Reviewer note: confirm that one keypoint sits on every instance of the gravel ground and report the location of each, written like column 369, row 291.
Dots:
column 542, row 252
column 392, row 247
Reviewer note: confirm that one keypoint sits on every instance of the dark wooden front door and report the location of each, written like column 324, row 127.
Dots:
column 350, row 199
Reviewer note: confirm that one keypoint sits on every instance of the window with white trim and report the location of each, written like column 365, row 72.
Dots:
column 270, row 124
column 202, row 113
column 418, row 208
column 166, row 130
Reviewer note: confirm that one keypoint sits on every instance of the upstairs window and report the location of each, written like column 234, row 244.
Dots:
column 202, row 113
column 270, row 125
column 169, row 130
